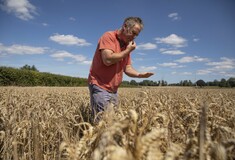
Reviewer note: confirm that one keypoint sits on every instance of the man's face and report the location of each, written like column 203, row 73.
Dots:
column 131, row 33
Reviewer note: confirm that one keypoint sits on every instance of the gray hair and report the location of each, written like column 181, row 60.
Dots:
column 131, row 21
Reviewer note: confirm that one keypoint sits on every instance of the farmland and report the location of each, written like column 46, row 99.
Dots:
column 149, row 123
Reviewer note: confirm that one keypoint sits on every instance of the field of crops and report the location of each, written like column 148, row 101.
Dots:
column 52, row 123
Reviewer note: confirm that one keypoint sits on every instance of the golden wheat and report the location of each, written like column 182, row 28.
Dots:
column 148, row 124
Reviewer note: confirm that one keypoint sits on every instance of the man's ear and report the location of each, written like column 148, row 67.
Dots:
column 124, row 26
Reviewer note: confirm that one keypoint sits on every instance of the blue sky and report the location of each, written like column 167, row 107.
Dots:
column 181, row 40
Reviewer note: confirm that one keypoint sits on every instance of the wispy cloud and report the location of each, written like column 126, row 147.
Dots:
column 61, row 55
column 172, row 52
column 182, row 73
column 45, row 24
column 224, row 64
column 72, row 19
column 22, row 9
column 224, row 67
column 86, row 62
column 139, row 59
column 203, row 72
column 173, row 40
column 21, row 49
column 147, row 69
column 168, row 64
column 186, row 73
column 231, row 74
column 196, row 39
column 69, row 40
column 141, row 53
column 174, row 16
column 146, row 46
column 171, row 65
column 188, row 59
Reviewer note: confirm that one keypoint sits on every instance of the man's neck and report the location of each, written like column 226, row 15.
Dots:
column 120, row 38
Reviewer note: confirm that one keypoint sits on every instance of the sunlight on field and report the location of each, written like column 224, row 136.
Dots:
column 150, row 123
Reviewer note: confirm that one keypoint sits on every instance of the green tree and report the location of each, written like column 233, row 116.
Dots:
column 28, row 67
column 33, row 68
column 231, row 82
column 223, row 83
column 190, row 83
column 133, row 82
column 216, row 82
column 201, row 83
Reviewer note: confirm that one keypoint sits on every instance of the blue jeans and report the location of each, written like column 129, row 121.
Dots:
column 100, row 99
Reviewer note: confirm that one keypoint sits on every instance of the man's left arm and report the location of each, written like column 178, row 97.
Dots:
column 131, row 72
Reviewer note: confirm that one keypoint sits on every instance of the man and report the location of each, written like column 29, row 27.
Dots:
column 111, row 59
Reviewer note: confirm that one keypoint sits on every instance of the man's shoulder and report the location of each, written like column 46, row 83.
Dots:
column 110, row 33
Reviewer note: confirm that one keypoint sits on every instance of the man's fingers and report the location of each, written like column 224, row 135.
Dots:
column 146, row 75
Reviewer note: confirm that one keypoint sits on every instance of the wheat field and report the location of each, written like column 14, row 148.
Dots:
column 53, row 123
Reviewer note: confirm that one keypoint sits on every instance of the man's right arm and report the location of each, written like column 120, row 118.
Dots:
column 109, row 57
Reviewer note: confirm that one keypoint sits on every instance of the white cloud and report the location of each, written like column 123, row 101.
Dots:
column 171, row 65
column 229, row 74
column 72, row 19
column 224, row 64
column 87, row 62
column 61, row 55
column 45, row 24
column 225, row 67
column 173, row 40
column 21, row 49
column 174, row 16
column 141, row 53
column 191, row 59
column 69, row 40
column 196, row 39
column 139, row 59
column 182, row 73
column 186, row 73
column 172, row 52
column 163, row 49
column 146, row 46
column 22, row 9
column 168, row 64
column 203, row 72
column 147, row 69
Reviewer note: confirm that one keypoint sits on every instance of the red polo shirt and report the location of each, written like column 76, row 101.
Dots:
column 108, row 77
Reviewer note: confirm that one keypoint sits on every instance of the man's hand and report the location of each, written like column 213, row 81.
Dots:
column 145, row 74
column 131, row 46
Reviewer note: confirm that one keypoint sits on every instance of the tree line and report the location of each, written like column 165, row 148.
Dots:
column 30, row 76
column 200, row 83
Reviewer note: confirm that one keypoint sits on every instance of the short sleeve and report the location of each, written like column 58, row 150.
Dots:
column 107, row 41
